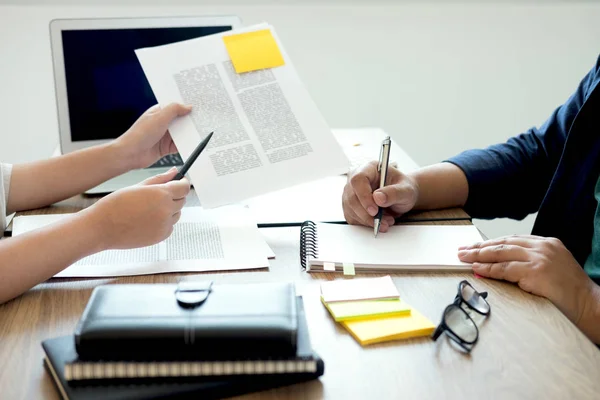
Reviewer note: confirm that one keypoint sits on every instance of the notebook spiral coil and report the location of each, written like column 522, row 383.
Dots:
column 308, row 242
column 134, row 370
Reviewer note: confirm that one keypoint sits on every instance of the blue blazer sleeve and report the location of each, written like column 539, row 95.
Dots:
column 510, row 179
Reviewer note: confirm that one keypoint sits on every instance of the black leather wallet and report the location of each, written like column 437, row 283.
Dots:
column 192, row 320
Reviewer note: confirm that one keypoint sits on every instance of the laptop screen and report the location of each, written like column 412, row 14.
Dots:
column 106, row 86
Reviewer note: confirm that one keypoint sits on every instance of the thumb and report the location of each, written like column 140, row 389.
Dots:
column 172, row 111
column 401, row 197
column 162, row 178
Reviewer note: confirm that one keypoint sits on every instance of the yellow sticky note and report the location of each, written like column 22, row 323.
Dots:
column 254, row 50
column 390, row 328
column 353, row 310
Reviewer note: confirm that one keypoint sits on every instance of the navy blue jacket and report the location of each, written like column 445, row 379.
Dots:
column 552, row 169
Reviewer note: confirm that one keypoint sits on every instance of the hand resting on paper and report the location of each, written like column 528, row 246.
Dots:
column 542, row 266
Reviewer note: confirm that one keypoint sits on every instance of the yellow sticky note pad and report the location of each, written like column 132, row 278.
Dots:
column 353, row 310
column 390, row 328
column 251, row 51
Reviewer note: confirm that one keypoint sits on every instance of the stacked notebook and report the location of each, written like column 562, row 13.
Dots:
column 196, row 339
column 372, row 311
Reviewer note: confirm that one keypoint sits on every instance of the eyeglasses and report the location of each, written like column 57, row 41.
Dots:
column 457, row 323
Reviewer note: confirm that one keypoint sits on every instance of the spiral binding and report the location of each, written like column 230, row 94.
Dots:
column 308, row 242
column 89, row 370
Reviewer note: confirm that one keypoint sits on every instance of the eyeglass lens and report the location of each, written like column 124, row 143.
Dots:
column 474, row 299
column 458, row 321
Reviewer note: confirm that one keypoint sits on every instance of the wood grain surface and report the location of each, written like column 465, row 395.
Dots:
column 527, row 349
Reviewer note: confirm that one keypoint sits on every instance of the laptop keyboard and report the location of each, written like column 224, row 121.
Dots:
column 172, row 160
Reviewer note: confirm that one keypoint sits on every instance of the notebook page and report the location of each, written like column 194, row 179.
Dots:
column 401, row 245
column 202, row 240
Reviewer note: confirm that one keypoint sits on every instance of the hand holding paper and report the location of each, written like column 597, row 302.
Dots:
column 269, row 134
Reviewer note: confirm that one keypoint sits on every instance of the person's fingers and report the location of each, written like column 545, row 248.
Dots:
column 389, row 219
column 172, row 148
column 523, row 241
column 400, row 196
column 357, row 212
column 172, row 111
column 362, row 182
column 512, row 271
column 166, row 145
column 176, row 217
column 178, row 189
column 351, row 217
column 494, row 254
column 153, row 109
column 383, row 227
column 161, row 178
column 178, row 204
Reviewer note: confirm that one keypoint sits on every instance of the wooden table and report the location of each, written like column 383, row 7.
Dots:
column 527, row 348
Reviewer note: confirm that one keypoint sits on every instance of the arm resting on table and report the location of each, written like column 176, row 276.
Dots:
column 36, row 256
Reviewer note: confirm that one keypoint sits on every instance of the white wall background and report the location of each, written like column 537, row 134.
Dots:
column 438, row 77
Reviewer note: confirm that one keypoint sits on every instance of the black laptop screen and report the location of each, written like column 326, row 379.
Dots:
column 106, row 86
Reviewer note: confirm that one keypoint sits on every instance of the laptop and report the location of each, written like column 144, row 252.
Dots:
column 101, row 89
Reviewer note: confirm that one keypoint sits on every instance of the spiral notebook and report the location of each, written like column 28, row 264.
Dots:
column 61, row 350
column 328, row 247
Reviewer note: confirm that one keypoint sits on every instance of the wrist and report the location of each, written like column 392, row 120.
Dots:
column 590, row 303
column 123, row 155
column 95, row 224
column 413, row 178
column 442, row 185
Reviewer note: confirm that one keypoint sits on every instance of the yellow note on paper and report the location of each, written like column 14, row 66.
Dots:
column 390, row 328
column 352, row 310
column 254, row 50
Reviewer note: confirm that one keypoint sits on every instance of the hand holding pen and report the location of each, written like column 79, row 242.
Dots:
column 377, row 193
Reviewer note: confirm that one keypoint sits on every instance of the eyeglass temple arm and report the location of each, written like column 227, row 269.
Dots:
column 438, row 331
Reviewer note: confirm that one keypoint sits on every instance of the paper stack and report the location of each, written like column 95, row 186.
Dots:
column 372, row 311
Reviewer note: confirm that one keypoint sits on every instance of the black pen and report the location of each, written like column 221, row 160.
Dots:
column 188, row 163
column 384, row 160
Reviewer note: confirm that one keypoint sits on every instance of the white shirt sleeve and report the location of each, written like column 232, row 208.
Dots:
column 5, row 172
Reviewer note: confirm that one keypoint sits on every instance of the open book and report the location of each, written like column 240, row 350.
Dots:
column 327, row 247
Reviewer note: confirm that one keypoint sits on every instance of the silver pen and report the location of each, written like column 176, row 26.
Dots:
column 384, row 160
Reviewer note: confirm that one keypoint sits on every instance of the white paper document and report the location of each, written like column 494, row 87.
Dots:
column 202, row 240
column 268, row 132
column 362, row 145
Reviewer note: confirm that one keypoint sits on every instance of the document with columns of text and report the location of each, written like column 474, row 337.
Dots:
column 202, row 240
column 268, row 132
